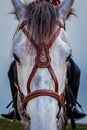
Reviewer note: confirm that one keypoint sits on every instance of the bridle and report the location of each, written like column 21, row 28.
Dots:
column 42, row 60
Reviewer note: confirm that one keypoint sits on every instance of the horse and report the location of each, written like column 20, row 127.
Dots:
column 40, row 49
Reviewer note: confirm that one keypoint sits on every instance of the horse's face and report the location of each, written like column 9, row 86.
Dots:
column 41, row 110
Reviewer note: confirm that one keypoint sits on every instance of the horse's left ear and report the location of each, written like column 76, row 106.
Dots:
column 19, row 8
column 64, row 8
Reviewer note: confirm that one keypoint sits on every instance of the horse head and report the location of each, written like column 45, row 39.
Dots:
column 40, row 49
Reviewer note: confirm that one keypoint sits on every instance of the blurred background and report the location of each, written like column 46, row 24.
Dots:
column 76, row 28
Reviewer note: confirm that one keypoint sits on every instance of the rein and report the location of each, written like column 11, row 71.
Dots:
column 42, row 60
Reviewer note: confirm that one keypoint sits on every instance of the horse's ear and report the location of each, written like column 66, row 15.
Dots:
column 65, row 8
column 20, row 8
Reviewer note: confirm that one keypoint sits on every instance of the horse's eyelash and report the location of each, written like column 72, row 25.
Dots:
column 68, row 58
column 16, row 58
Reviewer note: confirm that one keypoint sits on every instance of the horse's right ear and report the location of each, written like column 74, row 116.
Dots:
column 20, row 8
column 64, row 8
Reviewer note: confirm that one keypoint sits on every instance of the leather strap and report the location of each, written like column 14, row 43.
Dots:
column 30, row 78
column 34, row 71
column 43, row 92
column 54, row 77
column 42, row 60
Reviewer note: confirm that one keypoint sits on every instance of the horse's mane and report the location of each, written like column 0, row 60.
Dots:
column 41, row 19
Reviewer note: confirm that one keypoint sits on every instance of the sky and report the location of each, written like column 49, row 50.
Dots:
column 77, row 32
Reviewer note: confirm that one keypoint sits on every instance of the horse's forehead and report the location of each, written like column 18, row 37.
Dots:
column 21, row 44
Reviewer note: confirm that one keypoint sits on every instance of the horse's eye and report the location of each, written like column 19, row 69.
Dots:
column 16, row 58
column 67, row 59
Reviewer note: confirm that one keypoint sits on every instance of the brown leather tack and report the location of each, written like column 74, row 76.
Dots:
column 42, row 60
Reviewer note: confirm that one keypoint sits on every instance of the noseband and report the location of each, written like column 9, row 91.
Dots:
column 42, row 60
